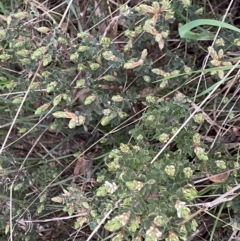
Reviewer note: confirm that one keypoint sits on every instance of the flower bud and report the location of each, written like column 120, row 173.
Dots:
column 117, row 98
column 117, row 222
column 101, row 191
column 80, row 83
column 43, row 29
column 189, row 192
column 82, row 48
column 196, row 139
column 124, row 148
column 135, row 185
column 118, row 237
column 94, row 66
column 47, row 59
column 62, row 40
column 81, row 67
column 108, row 55
column 106, row 119
column 163, row 138
column 170, row 170
column 134, row 225
column 122, row 114
column 90, row 99
column 188, row 172
column 105, row 41
column 201, row 154
column 172, row 236
column 180, row 97
column 57, row 199
column 38, row 53
column 182, row 210
column 221, row 164
column 42, row 108
column 113, row 166
column 74, row 56
column 160, row 221
column 109, row 78
column 150, row 99
column 20, row 15
column 23, row 52
column 147, row 78
column 153, row 234
column 150, row 118
column 5, row 56
column 51, row 86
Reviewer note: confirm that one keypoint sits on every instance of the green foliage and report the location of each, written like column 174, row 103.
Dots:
column 149, row 191
column 185, row 32
column 89, row 83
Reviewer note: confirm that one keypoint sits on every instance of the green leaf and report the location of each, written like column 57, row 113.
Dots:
column 184, row 31
column 75, row 13
column 2, row 8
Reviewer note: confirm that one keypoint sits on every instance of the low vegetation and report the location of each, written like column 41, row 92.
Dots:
column 119, row 120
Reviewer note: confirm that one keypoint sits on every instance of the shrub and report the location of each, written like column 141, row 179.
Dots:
column 133, row 96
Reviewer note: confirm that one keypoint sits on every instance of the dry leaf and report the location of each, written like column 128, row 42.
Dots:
column 149, row 91
column 81, row 95
column 23, row 225
column 222, row 177
column 82, row 166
